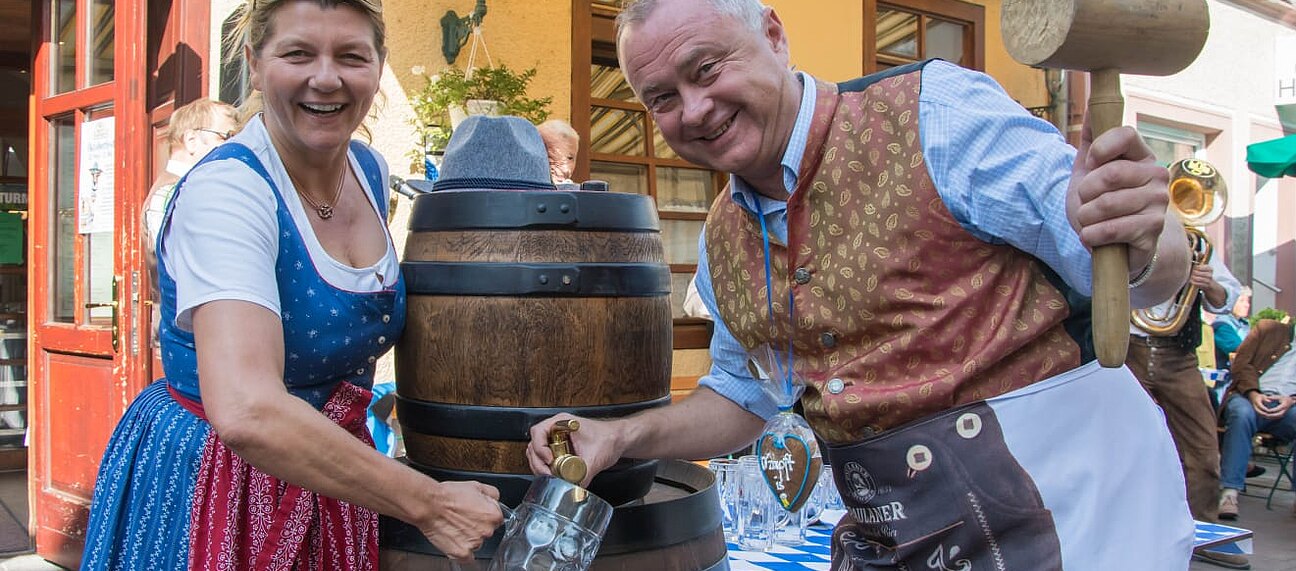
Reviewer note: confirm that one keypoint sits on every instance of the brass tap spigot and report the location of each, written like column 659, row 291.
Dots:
column 566, row 465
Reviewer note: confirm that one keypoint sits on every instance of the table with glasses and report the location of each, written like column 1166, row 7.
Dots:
column 759, row 540
column 814, row 554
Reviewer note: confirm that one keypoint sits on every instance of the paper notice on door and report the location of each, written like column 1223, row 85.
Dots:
column 95, row 177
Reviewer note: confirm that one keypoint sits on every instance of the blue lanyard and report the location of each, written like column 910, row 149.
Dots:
column 769, row 301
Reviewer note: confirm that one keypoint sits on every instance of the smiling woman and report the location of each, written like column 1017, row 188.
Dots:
column 280, row 289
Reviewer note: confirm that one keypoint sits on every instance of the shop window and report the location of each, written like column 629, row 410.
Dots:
column 13, row 287
column 1171, row 144
column 906, row 31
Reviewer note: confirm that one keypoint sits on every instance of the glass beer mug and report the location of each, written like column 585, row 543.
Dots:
column 558, row 527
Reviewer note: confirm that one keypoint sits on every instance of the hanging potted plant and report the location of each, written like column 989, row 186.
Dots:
column 452, row 95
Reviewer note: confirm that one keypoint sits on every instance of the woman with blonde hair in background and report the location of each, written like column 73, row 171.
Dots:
column 280, row 289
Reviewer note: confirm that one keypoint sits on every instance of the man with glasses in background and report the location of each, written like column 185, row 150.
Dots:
column 195, row 129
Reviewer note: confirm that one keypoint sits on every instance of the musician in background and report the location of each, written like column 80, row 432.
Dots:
column 1163, row 355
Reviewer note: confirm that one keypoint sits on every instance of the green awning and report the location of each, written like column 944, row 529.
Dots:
column 1274, row 158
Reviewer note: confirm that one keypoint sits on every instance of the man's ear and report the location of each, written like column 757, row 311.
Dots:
column 774, row 33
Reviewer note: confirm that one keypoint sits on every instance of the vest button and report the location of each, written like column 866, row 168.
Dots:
column 828, row 339
column 836, row 386
column 801, row 275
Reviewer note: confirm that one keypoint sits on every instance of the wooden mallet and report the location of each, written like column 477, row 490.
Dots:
column 1107, row 38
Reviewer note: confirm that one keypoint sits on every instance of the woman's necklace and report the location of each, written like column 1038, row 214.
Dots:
column 322, row 209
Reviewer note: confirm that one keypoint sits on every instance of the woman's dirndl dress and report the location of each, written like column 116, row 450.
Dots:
column 169, row 495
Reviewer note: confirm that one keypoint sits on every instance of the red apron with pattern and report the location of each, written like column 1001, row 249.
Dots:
column 243, row 518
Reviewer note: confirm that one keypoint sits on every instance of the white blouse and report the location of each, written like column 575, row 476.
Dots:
column 223, row 239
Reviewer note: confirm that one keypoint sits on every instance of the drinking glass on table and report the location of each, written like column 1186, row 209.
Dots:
column 791, row 527
column 758, row 509
column 726, row 475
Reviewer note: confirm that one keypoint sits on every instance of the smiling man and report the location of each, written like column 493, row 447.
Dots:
column 921, row 243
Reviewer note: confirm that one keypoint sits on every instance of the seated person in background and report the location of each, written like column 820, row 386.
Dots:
column 562, row 142
column 1231, row 329
column 1260, row 400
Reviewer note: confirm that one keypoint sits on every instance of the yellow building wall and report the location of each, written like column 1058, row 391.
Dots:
column 825, row 37
column 511, row 35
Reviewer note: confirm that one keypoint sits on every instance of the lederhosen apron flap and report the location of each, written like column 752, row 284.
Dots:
column 941, row 493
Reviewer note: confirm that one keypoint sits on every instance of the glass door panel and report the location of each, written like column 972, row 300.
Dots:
column 63, row 219
column 102, row 35
column 64, row 47
column 96, row 205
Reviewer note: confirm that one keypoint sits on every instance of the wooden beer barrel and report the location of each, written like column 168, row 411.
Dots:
column 677, row 526
column 522, row 305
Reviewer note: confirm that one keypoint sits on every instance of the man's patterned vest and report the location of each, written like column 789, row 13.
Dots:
column 900, row 312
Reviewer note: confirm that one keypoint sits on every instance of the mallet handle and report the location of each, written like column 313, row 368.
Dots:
column 1111, row 302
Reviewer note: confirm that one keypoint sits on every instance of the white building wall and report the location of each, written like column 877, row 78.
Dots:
column 1228, row 95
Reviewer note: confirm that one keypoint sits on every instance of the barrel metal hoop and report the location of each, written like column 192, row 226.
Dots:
column 497, row 422
column 659, row 524
column 635, row 527
column 530, row 210
column 624, row 482
column 540, row 280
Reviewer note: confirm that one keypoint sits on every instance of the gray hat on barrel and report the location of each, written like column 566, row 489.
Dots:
column 496, row 153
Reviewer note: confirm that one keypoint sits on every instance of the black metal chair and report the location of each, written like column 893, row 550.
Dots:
column 1280, row 452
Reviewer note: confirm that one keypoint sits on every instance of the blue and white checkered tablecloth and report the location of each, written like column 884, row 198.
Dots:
column 814, row 554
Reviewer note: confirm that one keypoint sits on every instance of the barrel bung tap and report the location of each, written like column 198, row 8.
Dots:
column 566, row 465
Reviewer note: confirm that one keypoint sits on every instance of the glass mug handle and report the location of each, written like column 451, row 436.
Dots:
column 510, row 516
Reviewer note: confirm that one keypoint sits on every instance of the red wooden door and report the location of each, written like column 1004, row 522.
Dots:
column 89, row 139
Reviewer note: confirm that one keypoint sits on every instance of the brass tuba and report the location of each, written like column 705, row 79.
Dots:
column 1198, row 195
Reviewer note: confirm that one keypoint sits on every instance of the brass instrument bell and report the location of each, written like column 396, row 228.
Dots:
column 1197, row 192
column 1198, row 195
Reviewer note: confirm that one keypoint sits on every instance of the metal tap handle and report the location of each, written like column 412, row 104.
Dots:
column 566, row 464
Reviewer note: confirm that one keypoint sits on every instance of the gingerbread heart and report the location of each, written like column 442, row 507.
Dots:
column 790, row 467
